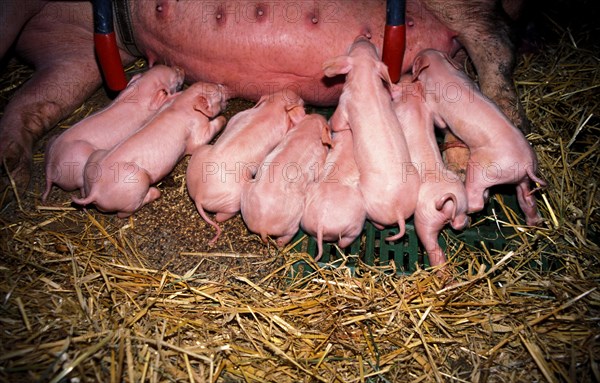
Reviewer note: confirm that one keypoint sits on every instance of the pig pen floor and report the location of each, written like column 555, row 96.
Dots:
column 171, row 225
column 92, row 297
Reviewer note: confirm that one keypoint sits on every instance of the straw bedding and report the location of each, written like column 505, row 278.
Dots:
column 89, row 297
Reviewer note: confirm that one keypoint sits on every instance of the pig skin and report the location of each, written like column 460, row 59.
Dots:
column 250, row 47
column 499, row 152
column 216, row 174
column 273, row 202
column 442, row 196
column 389, row 181
column 334, row 208
column 119, row 180
column 67, row 154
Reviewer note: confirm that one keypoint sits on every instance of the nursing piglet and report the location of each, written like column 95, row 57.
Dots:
column 334, row 208
column 273, row 202
column 389, row 182
column 217, row 173
column 499, row 153
column 442, row 196
column 119, row 180
column 145, row 94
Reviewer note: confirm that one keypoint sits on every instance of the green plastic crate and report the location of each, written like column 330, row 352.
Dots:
column 407, row 252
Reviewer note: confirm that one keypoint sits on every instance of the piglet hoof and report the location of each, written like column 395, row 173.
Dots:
column 536, row 221
column 444, row 274
column 439, row 264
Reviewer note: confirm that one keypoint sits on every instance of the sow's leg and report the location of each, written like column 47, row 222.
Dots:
column 13, row 16
column 484, row 29
column 58, row 42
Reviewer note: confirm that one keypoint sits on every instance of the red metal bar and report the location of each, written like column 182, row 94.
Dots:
column 110, row 61
column 394, row 42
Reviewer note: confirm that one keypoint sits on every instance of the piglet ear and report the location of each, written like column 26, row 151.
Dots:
column 262, row 100
column 159, row 98
column 203, row 106
column 326, row 135
column 134, row 78
column 421, row 62
column 383, row 72
column 295, row 112
column 452, row 62
column 337, row 65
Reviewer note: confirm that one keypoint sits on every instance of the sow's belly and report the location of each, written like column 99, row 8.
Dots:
column 254, row 48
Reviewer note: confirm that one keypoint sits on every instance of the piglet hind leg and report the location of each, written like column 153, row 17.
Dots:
column 319, row 243
column 124, row 214
column 222, row 217
column 527, row 202
column 428, row 233
column 285, row 239
column 346, row 241
column 435, row 254
column 151, row 195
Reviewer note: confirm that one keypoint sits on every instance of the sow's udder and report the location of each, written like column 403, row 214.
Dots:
column 257, row 48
